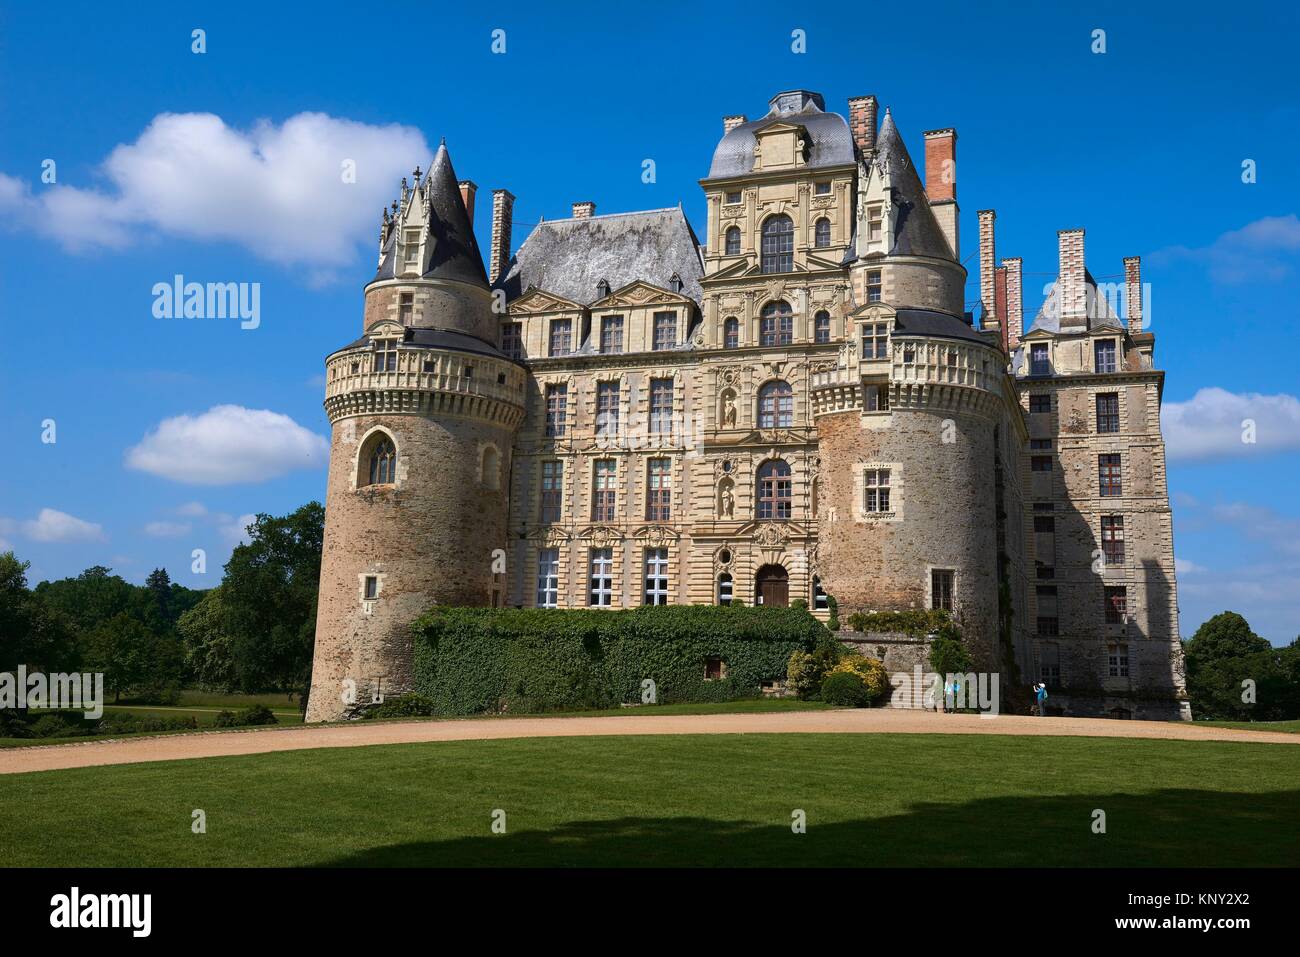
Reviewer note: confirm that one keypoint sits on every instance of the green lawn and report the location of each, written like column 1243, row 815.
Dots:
column 870, row 799
column 1291, row 727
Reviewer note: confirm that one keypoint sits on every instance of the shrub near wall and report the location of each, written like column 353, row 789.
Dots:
column 471, row 660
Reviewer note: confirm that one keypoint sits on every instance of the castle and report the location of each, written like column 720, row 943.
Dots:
column 799, row 406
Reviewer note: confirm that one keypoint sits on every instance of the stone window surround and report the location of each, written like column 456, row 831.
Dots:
column 929, row 585
column 367, row 604
column 896, row 493
column 361, row 460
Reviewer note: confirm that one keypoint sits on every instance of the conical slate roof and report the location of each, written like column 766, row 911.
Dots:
column 917, row 232
column 455, row 251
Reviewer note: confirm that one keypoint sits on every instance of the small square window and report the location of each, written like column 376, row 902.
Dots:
column 733, row 198
column 823, row 188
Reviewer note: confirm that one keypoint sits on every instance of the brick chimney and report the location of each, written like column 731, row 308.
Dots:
column 1015, row 302
column 988, row 278
column 503, row 210
column 862, row 123
column 941, row 165
column 1000, row 303
column 729, row 123
column 467, row 190
column 1073, row 285
column 1133, row 293
column 583, row 210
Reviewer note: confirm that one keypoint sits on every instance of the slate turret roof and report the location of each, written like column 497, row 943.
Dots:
column 831, row 142
column 917, row 232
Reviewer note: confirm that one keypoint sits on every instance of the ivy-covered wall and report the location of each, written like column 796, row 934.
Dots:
column 472, row 660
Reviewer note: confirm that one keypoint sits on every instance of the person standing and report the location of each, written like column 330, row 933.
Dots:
column 1040, row 693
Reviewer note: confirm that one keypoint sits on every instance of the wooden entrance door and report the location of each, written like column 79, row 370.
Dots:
column 772, row 586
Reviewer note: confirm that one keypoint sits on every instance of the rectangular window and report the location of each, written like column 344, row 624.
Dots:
column 385, row 355
column 1112, row 539
column 1041, row 463
column 412, row 243
column 724, row 589
column 656, row 576
column 1039, row 363
column 557, row 409
column 512, row 339
column 733, row 198
column 1040, row 402
column 607, row 408
column 372, row 587
column 822, row 326
column 1116, row 604
column 601, row 593
column 1108, row 412
column 561, row 337
column 552, row 490
column 876, row 398
column 776, row 329
column 611, row 334
column 1044, row 572
column 661, row 406
column 1040, row 445
column 1045, row 524
column 875, row 223
column 875, row 340
column 406, row 308
column 548, row 577
column 876, row 489
column 822, row 189
column 1104, row 354
column 875, row 286
column 659, row 490
column 1048, row 627
column 1109, row 478
column 941, row 580
column 604, row 497
column 1118, row 655
column 715, row 669
column 665, row 330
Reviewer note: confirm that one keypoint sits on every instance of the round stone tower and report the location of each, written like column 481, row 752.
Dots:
column 424, row 408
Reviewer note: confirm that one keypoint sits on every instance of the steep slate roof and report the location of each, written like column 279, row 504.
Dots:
column 831, row 143
column 569, row 257
column 455, row 251
column 1049, row 314
column 917, row 232
column 936, row 325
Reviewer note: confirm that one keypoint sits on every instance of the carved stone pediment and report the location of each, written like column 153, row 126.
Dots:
column 656, row 536
column 548, row 536
column 535, row 300
column 602, row 536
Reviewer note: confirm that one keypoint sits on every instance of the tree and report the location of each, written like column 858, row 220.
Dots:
column 1225, row 658
column 31, row 634
column 159, row 584
column 208, row 644
column 122, row 649
column 269, row 596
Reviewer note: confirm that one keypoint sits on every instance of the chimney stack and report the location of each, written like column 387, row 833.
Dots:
column 941, row 165
column 988, row 278
column 583, row 210
column 467, row 190
column 503, row 210
column 1073, row 285
column 1133, row 293
column 729, row 123
column 862, row 123
column 1015, row 302
column 1000, row 304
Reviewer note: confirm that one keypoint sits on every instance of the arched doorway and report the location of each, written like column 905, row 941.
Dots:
column 772, row 586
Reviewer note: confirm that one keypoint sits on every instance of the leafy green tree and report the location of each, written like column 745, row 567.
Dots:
column 1222, row 657
column 31, row 633
column 122, row 649
column 209, row 645
column 269, row 596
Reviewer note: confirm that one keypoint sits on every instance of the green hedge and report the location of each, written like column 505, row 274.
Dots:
column 471, row 660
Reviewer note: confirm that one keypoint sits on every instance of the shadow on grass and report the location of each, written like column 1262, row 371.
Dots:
column 1170, row 828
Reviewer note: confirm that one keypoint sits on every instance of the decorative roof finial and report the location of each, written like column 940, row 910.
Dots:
column 416, row 174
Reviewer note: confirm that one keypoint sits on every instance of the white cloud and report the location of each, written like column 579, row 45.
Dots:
column 1210, row 424
column 1184, row 566
column 51, row 525
column 192, row 509
column 278, row 191
column 1266, row 249
column 166, row 529
column 235, row 531
column 227, row 444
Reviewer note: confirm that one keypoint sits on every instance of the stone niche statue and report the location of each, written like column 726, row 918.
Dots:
column 727, row 411
column 726, row 499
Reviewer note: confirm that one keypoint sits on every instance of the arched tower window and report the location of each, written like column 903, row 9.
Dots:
column 724, row 589
column 733, row 241
column 380, row 461
column 822, row 232
column 778, row 244
column 774, row 486
column 776, row 406
column 731, row 333
column 776, row 324
column 822, row 326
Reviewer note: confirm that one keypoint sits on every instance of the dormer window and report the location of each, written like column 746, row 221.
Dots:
column 412, row 242
column 676, row 284
column 602, row 289
column 1039, row 363
column 385, row 355
column 1105, row 355
column 875, row 223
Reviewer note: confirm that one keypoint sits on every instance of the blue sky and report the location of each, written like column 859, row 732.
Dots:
column 168, row 161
